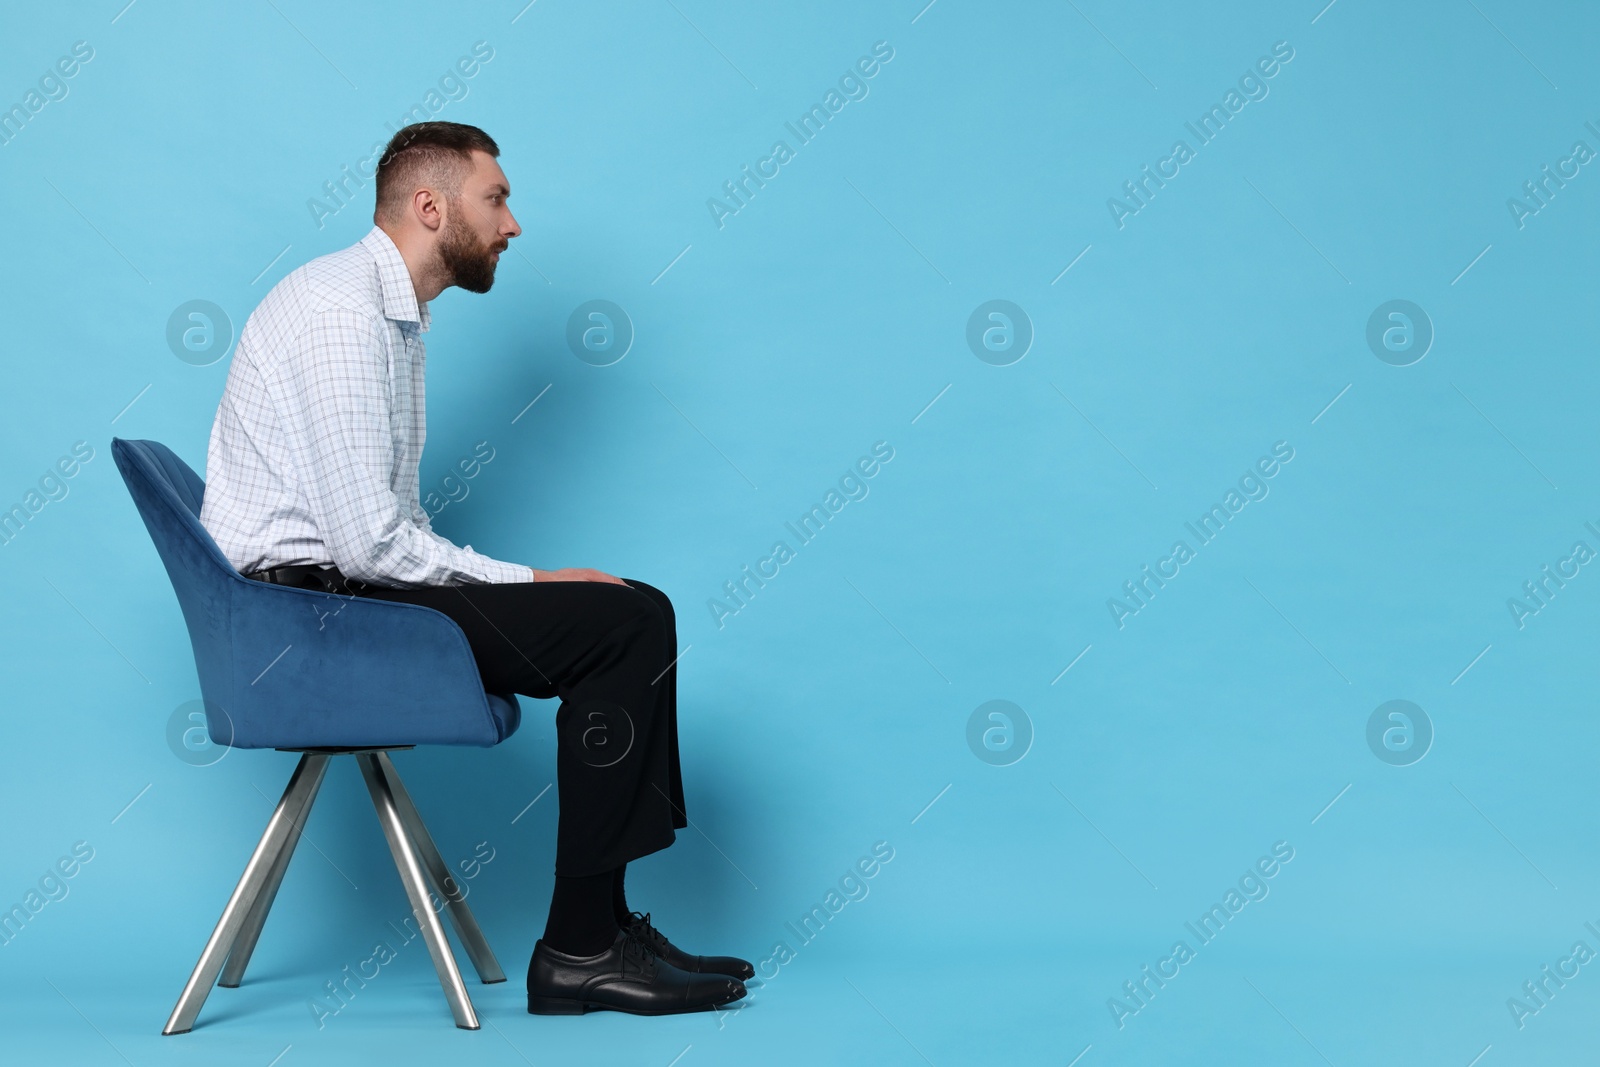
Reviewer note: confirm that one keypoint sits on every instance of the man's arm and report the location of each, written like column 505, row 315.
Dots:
column 333, row 395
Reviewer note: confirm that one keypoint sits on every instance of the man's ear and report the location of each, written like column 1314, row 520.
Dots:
column 428, row 208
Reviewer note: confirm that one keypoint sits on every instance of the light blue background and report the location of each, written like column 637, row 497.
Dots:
column 826, row 716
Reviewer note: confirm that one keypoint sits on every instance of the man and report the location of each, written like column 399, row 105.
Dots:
column 312, row 480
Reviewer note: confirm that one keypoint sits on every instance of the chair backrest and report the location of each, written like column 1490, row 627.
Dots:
column 168, row 495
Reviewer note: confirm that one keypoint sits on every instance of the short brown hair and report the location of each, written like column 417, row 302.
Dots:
column 433, row 154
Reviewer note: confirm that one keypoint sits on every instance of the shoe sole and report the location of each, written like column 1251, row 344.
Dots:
column 538, row 1005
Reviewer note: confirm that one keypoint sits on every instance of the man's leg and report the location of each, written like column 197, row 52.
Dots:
column 603, row 649
column 666, row 685
column 667, row 714
column 608, row 651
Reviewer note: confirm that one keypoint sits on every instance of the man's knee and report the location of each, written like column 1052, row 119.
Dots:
column 639, row 619
column 657, row 597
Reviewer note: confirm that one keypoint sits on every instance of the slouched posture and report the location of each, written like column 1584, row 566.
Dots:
column 312, row 480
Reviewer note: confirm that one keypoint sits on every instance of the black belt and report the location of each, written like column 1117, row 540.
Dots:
column 310, row 576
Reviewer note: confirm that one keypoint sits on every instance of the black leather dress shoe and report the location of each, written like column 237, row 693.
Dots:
column 657, row 942
column 628, row 976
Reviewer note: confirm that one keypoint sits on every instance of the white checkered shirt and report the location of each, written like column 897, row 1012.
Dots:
column 313, row 456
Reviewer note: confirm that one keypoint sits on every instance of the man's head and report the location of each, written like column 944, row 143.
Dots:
column 442, row 198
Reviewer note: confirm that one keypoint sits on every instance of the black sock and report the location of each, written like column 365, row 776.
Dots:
column 581, row 922
column 619, row 900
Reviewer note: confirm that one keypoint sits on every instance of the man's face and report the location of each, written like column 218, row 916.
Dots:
column 478, row 226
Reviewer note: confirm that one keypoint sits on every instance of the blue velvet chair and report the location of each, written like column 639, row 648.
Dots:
column 321, row 674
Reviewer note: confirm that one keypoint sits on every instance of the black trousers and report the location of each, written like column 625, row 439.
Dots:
column 609, row 652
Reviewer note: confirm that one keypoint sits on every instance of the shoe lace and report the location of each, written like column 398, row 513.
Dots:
column 638, row 952
column 642, row 929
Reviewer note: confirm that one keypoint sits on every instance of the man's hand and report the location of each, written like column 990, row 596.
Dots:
column 575, row 574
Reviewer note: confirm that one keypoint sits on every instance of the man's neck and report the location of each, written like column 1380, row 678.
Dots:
column 428, row 277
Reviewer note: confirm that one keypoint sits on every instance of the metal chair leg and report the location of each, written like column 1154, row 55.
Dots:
column 291, row 809
column 461, row 918
column 409, row 864
column 250, row 930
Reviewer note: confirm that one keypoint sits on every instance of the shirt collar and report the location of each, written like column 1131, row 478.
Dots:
column 399, row 295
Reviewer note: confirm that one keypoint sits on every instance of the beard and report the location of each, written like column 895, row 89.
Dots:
column 469, row 263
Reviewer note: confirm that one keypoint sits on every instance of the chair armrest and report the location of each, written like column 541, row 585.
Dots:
column 314, row 669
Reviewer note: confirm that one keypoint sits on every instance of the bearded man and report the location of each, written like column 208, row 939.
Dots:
column 312, row 481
